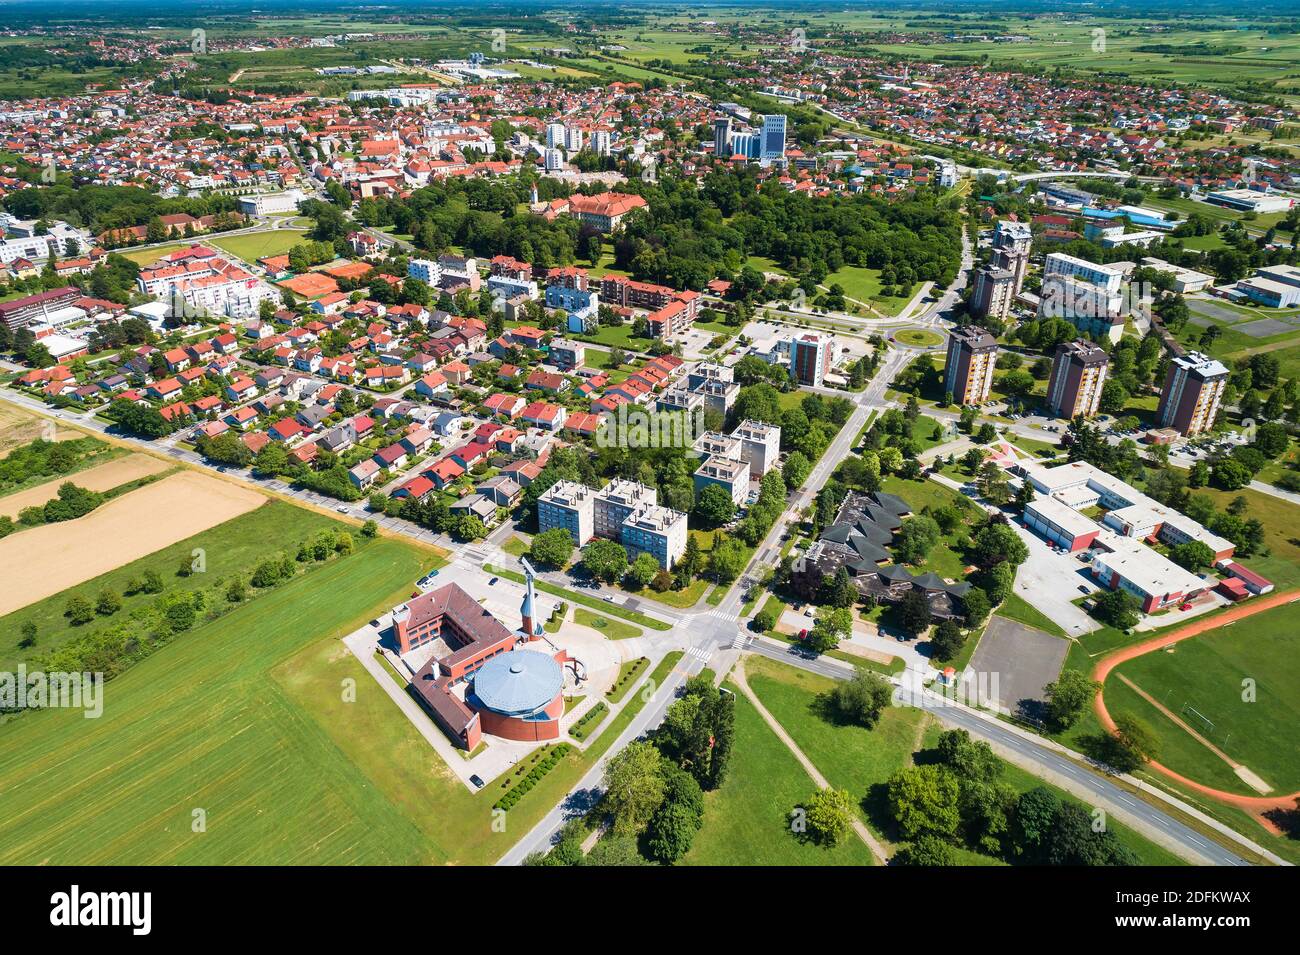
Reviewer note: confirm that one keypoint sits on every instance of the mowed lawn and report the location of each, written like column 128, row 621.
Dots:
column 861, row 761
column 1208, row 673
column 252, row 246
column 850, row 757
column 207, row 724
column 1281, row 520
column 234, row 546
column 747, row 820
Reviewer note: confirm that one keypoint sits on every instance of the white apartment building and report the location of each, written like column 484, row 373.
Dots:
column 760, row 446
column 623, row 510
column 426, row 270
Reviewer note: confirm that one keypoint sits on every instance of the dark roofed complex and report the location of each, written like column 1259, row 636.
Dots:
column 858, row 541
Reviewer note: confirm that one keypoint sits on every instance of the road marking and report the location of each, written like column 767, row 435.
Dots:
column 700, row 653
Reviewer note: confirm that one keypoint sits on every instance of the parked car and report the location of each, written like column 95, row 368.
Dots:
column 1083, row 589
column 477, row 781
column 493, row 581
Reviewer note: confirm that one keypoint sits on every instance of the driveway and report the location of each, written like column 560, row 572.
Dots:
column 1019, row 661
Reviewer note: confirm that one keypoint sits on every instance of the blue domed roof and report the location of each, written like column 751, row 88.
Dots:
column 518, row 683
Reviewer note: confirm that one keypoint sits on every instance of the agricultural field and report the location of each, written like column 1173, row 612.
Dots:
column 100, row 477
column 49, row 559
column 235, row 546
column 224, row 721
column 19, row 426
column 1203, row 681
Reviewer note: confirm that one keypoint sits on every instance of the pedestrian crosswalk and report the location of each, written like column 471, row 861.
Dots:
column 700, row 653
column 723, row 614
column 741, row 640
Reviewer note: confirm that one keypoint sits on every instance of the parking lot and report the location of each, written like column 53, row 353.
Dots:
column 1024, row 660
column 1052, row 580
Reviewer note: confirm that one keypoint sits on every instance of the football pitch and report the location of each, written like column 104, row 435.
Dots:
column 1235, row 687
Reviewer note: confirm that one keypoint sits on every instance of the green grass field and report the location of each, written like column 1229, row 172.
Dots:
column 251, row 246
column 1016, row 607
column 1208, row 673
column 747, row 820
column 613, row 629
column 863, row 285
column 235, row 546
column 852, row 758
column 225, row 720
column 861, row 760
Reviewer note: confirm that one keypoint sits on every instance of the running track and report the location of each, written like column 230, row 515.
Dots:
column 1258, row 805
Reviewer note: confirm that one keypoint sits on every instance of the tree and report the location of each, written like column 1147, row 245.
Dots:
column 79, row 610
column 1067, row 698
column 1118, row 608
column 643, row 569
column 1134, row 744
column 996, row 542
column 829, row 816
column 605, row 560
column 671, row 831
column 726, row 559
column 795, row 470
column 914, row 612
column 369, row 529
column 1114, row 397
column 634, row 788
column 947, row 640
column 916, row 538
column 838, row 590
column 832, row 625
column 714, row 506
column 977, row 607
column 1192, row 555
column 552, row 548
column 28, row 633
column 1229, row 474
column 679, row 817
column 923, row 801
column 108, row 603
column 1035, row 815
column 862, row 699
column 927, row 852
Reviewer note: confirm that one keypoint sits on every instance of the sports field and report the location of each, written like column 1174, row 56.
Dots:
column 1236, row 686
column 46, row 560
column 251, row 246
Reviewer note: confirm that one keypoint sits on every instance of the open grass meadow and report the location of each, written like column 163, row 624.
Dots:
column 850, row 757
column 1242, row 679
column 747, row 819
column 861, row 761
column 233, row 547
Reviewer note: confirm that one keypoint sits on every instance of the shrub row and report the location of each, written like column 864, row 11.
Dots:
column 543, row 761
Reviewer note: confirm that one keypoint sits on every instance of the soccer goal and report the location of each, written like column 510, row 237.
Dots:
column 1197, row 720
